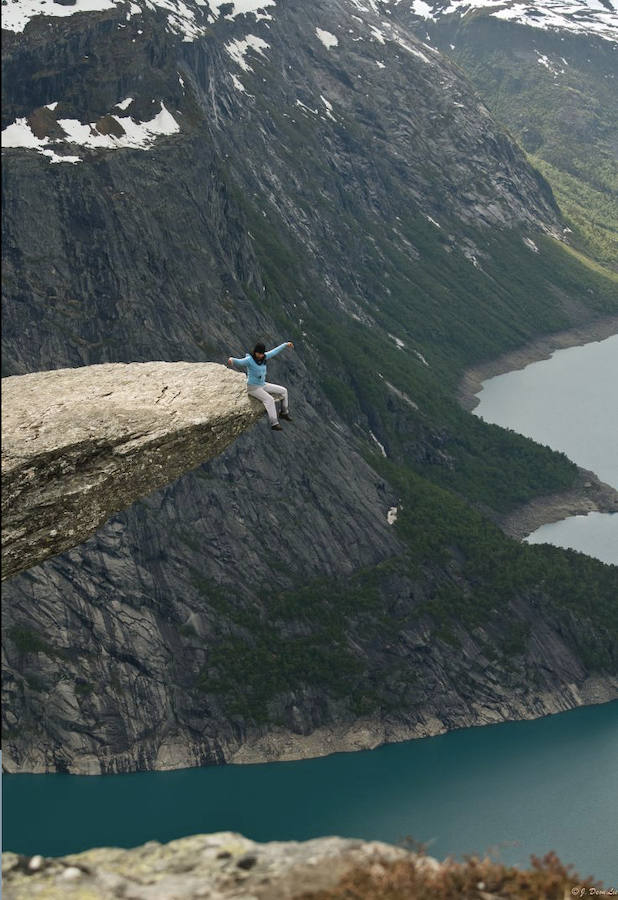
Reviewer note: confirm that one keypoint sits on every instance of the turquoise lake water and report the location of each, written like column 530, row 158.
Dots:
column 533, row 786
column 569, row 402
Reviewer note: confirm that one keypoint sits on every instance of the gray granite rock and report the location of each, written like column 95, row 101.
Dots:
column 209, row 866
column 79, row 445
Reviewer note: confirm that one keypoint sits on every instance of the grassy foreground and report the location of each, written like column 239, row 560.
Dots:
column 474, row 879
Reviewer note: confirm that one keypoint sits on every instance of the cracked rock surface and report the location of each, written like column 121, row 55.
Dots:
column 79, row 445
column 210, row 866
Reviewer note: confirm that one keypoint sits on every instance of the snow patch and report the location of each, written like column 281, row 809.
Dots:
column 422, row 9
column 391, row 515
column 530, row 243
column 138, row 135
column 398, row 341
column 381, row 446
column 124, row 103
column 329, row 108
column 19, row 134
column 181, row 18
column 329, row 40
column 238, row 49
column 55, row 158
column 576, row 16
column 548, row 64
column 412, row 50
column 433, row 221
column 421, row 357
column 401, row 394
column 15, row 16
column 308, row 108
column 51, row 106
column 242, row 7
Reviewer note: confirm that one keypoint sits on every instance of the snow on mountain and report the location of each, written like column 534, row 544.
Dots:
column 183, row 18
column 190, row 18
column 238, row 49
column 599, row 17
column 138, row 135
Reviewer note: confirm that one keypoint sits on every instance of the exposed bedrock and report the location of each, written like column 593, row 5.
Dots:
column 79, row 445
column 208, row 866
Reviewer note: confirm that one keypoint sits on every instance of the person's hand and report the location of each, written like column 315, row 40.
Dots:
column 229, row 361
column 291, row 345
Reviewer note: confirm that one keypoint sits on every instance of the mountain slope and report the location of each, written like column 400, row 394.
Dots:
column 326, row 178
column 547, row 71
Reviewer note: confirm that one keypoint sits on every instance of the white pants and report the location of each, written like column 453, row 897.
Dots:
column 265, row 393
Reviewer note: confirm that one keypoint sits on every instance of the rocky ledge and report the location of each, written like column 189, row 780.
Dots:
column 79, row 445
column 228, row 866
column 222, row 865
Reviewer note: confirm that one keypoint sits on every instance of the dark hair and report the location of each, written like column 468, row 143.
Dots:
column 259, row 348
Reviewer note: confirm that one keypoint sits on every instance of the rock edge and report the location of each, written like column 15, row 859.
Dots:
column 79, row 445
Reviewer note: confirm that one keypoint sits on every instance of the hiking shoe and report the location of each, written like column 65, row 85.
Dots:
column 276, row 427
column 285, row 416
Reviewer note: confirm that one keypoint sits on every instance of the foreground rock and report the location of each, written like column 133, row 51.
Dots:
column 79, row 445
column 213, row 866
column 225, row 865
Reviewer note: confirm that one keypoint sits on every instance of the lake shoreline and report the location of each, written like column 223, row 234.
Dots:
column 589, row 493
column 542, row 348
column 279, row 744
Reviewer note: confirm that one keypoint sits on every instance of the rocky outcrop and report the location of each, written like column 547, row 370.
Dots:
column 228, row 866
column 79, row 445
column 210, row 866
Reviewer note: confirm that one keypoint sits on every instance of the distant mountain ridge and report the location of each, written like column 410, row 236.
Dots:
column 589, row 17
column 548, row 71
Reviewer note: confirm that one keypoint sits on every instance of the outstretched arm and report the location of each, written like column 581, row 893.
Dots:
column 232, row 361
column 270, row 353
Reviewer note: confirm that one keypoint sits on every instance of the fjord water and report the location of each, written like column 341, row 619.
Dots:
column 569, row 402
column 532, row 786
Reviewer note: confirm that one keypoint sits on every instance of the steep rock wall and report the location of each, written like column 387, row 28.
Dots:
column 359, row 200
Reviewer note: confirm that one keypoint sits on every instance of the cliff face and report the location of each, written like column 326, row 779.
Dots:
column 547, row 70
column 183, row 187
column 79, row 445
column 327, row 143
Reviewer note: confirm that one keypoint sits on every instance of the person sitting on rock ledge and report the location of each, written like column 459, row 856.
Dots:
column 257, row 386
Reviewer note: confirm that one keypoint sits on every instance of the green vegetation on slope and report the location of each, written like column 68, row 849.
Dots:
column 449, row 314
column 461, row 574
column 590, row 211
column 460, row 571
column 557, row 95
column 389, row 336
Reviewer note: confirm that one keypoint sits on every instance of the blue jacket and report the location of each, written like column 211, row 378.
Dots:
column 256, row 373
